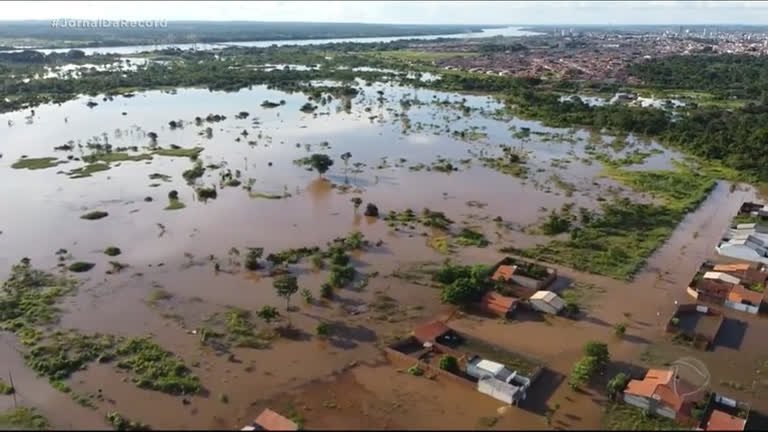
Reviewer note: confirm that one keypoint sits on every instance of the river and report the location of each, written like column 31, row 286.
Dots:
column 133, row 49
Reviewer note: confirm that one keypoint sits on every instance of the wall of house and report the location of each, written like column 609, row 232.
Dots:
column 692, row 292
column 401, row 360
column 637, row 401
column 483, row 386
column 742, row 307
column 543, row 306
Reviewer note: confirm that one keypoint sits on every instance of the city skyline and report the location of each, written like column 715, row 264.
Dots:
column 411, row 12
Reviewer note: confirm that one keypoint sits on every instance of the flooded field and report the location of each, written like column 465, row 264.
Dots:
column 181, row 266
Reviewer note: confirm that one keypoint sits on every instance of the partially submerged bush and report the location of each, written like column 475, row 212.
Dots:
column 81, row 266
column 94, row 215
column 112, row 251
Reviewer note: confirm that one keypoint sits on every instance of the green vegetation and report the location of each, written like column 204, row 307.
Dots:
column 512, row 162
column 428, row 218
column 111, row 157
column 318, row 162
column 158, row 295
column 204, row 194
column 462, row 285
column 616, row 385
column 80, row 266
column 285, row 287
column 121, row 423
column 23, row 418
column 94, row 215
column 619, row 329
column 415, row 370
column 323, row 329
column 5, row 388
column 88, row 170
column 112, row 251
column 194, row 173
column 449, row 363
column 156, row 369
column 252, row 258
column 625, row 417
column 267, row 195
column 36, row 163
column 617, row 241
column 341, row 276
column 469, row 237
column 175, row 204
column 596, row 357
column 191, row 153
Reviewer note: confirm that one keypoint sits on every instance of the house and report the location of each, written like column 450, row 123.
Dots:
column 723, row 288
column 522, row 277
column 269, row 420
column 498, row 304
column 436, row 332
column 724, row 414
column 547, row 302
column 662, row 393
column 498, row 381
column 747, row 242
column 748, row 273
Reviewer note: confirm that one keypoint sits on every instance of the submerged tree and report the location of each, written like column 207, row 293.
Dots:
column 268, row 313
column 286, row 286
column 356, row 201
column 320, row 163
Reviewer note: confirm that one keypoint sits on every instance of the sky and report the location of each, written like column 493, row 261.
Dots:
column 404, row 12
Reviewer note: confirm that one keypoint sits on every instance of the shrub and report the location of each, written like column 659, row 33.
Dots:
column 94, row 215
column 620, row 329
column 449, row 363
column 81, row 267
column 112, row 251
column 326, row 291
column 323, row 329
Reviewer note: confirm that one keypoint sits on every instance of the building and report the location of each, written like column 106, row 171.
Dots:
column 747, row 242
column 748, row 273
column 724, row 414
column 522, row 277
column 547, row 302
column 724, row 288
column 663, row 394
column 497, row 304
column 498, row 381
column 269, row 420
column 436, row 332
column 720, row 421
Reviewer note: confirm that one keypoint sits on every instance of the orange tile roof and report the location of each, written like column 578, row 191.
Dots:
column 504, row 272
column 430, row 331
column 498, row 303
column 272, row 421
column 721, row 421
column 656, row 384
column 739, row 293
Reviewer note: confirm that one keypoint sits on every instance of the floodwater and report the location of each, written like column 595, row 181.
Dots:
column 171, row 249
column 133, row 49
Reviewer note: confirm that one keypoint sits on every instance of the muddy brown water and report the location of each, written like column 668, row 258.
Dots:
column 45, row 210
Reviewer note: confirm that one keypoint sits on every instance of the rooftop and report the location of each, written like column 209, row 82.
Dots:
column 498, row 303
column 430, row 331
column 721, row 421
column 272, row 421
column 503, row 272
column 660, row 384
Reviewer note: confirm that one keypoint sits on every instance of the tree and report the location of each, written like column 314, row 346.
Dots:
column 619, row 329
column 459, row 292
column 599, row 351
column 617, row 384
column 252, row 258
column 371, row 210
column 582, row 371
column 320, row 163
column 286, row 286
column 449, row 363
column 356, row 201
column 268, row 313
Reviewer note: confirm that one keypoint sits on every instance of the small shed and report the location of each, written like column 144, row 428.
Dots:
column 547, row 302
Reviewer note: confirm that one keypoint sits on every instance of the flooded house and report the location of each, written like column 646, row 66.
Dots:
column 663, row 393
column 724, row 414
column 269, row 420
column 497, row 380
column 520, row 278
column 547, row 302
column 747, row 242
column 723, row 288
column 497, row 304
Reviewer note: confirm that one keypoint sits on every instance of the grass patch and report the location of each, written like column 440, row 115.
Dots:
column 62, row 353
column 581, row 294
column 469, row 237
column 81, row 266
column 267, row 195
column 112, row 251
column 234, row 328
column 158, row 176
column 94, row 215
column 625, row 417
column 88, row 170
column 22, row 418
column 191, row 153
column 156, row 369
column 112, row 157
column 36, row 163
column 617, row 241
column 158, row 295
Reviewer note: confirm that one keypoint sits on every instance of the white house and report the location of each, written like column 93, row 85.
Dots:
column 747, row 242
column 547, row 302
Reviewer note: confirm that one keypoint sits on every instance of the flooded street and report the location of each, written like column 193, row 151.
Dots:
column 391, row 144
